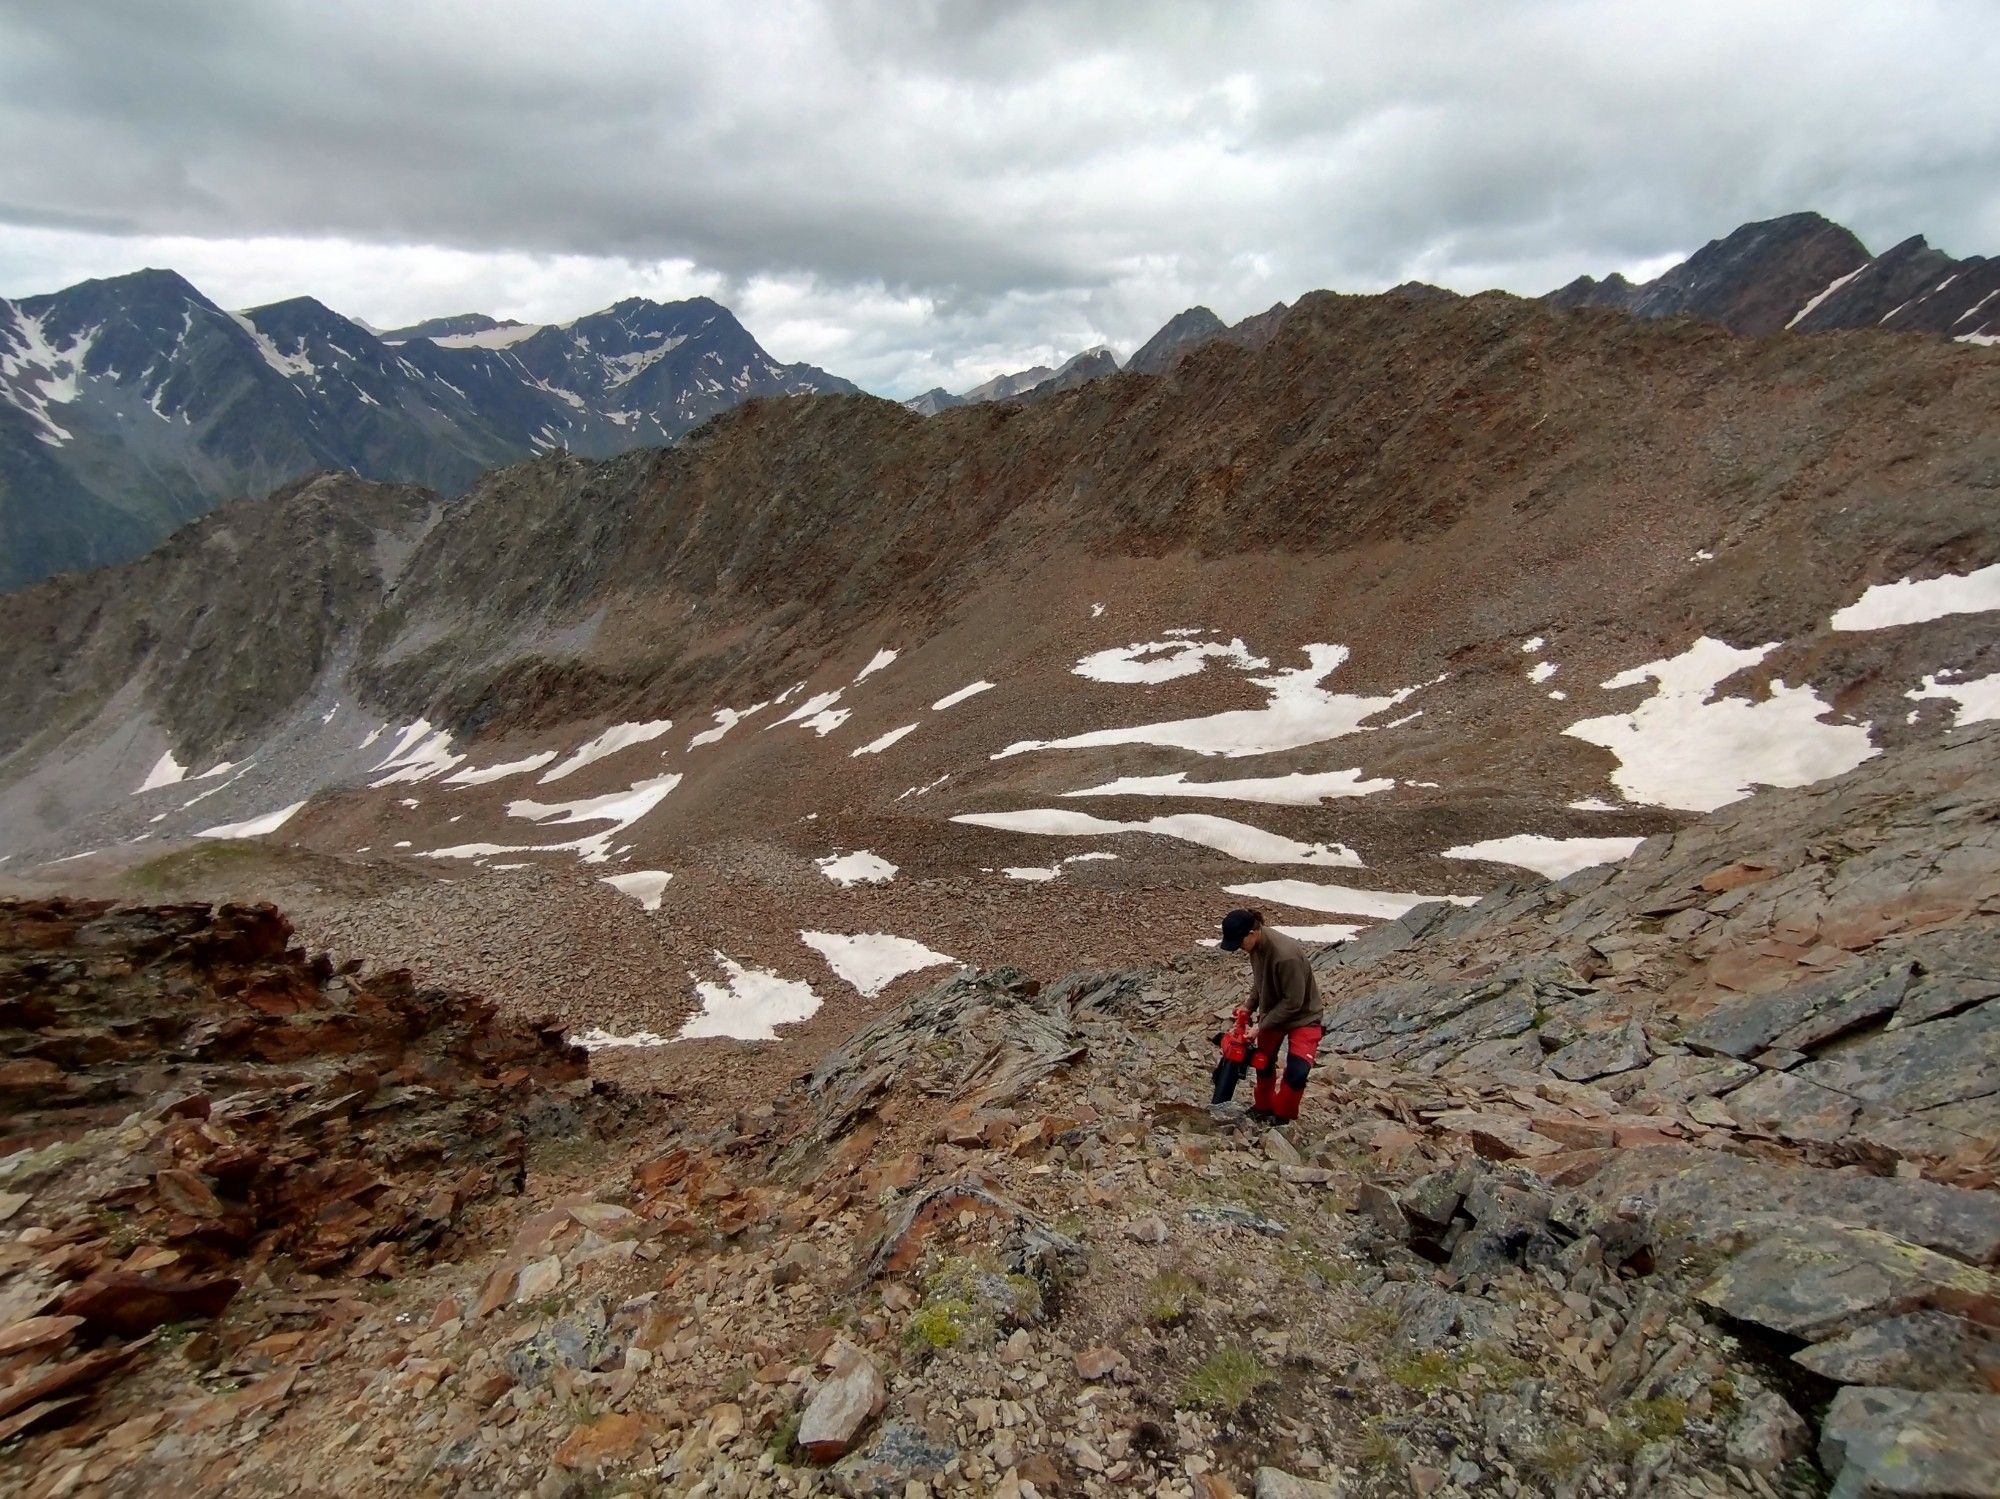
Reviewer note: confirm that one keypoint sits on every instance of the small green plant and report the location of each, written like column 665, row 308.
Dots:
column 1557, row 1456
column 1370, row 1325
column 1170, row 1296
column 1427, row 1372
column 937, row 1325
column 1379, row 1447
column 1225, row 1380
column 1331, row 1272
column 1643, row 1421
column 783, row 1445
column 737, row 1382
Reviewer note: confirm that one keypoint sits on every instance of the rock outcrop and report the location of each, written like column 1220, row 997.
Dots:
column 203, row 1123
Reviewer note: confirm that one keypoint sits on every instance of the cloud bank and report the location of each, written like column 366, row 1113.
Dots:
column 930, row 193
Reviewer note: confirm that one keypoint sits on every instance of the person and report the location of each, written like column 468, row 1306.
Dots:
column 1285, row 1008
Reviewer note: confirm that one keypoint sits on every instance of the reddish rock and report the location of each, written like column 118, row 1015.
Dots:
column 600, row 1443
column 127, row 1305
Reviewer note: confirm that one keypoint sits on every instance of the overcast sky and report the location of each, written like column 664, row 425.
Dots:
column 914, row 194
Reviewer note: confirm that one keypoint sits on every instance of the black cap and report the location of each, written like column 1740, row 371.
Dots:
column 1235, row 926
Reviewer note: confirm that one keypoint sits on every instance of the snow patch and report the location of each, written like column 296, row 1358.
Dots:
column 1533, row 644
column 1344, row 900
column 1831, row 287
column 872, row 961
column 643, row 885
column 619, row 736
column 1977, row 700
column 1913, row 601
column 1299, row 789
column 749, row 1004
column 953, row 699
column 1237, row 839
column 1050, row 871
column 725, row 720
column 166, row 771
column 1680, row 749
column 1299, row 712
column 1164, row 660
column 876, row 746
column 256, row 827
column 1595, row 804
column 1542, row 671
column 1327, row 932
column 875, row 664
column 480, row 777
column 858, row 868
column 1551, row 858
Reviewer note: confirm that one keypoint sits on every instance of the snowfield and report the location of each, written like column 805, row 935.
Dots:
column 1299, row 712
column 1912, row 602
column 1683, row 748
column 1237, row 839
column 1550, row 857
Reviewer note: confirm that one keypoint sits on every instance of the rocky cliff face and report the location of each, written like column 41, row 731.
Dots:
column 132, row 404
column 1806, row 273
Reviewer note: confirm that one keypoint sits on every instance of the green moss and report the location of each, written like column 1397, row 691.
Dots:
column 1225, row 1380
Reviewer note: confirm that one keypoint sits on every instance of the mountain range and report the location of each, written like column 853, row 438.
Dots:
column 132, row 404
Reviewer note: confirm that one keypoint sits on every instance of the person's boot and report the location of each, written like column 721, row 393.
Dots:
column 1264, row 1101
column 1285, row 1101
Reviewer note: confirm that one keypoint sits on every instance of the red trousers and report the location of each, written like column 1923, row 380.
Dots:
column 1282, row 1096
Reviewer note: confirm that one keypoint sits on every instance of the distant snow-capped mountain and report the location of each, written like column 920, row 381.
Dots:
column 132, row 404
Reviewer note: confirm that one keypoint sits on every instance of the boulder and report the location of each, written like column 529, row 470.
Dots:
column 1919, row 1351
column 844, row 1403
column 901, row 1454
column 1767, row 1435
column 1911, row 1444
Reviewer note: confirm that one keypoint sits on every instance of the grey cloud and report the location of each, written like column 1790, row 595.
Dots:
column 994, row 182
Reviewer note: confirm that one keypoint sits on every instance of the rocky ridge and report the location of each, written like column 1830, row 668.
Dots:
column 1545, row 1228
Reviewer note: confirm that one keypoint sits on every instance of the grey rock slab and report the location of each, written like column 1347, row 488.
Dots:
column 1709, row 1190
column 1813, row 1278
column 1785, row 1104
column 1921, row 1066
column 1911, row 1444
column 1622, row 1049
column 1817, row 1010
column 1276, row 1483
column 1222, row 1215
column 1677, row 1079
column 1920, row 1351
